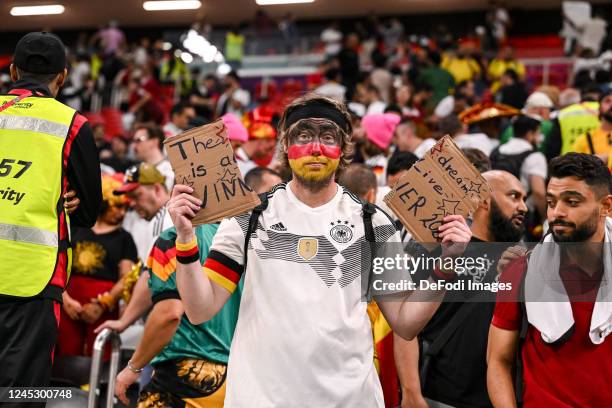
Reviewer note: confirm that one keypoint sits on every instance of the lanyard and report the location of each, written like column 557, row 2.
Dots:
column 10, row 103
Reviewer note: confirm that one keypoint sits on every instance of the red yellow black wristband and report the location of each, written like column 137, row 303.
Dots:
column 187, row 253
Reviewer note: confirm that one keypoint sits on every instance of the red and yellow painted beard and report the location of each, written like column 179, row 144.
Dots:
column 314, row 162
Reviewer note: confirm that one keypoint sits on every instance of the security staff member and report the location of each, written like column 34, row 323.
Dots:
column 46, row 149
column 599, row 141
column 571, row 122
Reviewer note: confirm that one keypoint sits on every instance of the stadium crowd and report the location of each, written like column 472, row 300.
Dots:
column 400, row 95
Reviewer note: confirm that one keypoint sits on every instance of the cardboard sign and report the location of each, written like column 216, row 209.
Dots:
column 202, row 158
column 442, row 183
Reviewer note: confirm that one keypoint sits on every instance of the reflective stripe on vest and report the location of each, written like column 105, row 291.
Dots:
column 34, row 125
column 28, row 234
column 33, row 132
column 576, row 120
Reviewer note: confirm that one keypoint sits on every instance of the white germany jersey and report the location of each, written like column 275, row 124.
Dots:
column 303, row 338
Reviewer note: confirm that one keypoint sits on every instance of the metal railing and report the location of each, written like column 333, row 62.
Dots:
column 542, row 66
column 105, row 336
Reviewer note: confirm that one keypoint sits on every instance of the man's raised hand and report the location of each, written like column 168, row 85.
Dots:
column 455, row 234
column 182, row 207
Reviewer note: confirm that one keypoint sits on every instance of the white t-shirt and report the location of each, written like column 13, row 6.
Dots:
column 378, row 164
column 445, row 106
column 593, row 34
column 79, row 74
column 424, row 147
column 376, row 107
column 165, row 168
column 244, row 162
column 534, row 165
column 382, row 80
column 332, row 90
column 303, row 337
column 239, row 95
column 146, row 232
column 381, row 192
column 478, row 141
column 501, row 20
column 170, row 129
column 333, row 41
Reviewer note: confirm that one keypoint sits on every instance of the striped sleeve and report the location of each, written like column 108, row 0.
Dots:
column 224, row 262
column 223, row 270
column 162, row 259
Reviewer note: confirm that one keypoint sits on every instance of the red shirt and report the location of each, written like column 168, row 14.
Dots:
column 152, row 109
column 576, row 373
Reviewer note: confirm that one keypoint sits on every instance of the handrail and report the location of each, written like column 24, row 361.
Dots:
column 96, row 365
column 546, row 63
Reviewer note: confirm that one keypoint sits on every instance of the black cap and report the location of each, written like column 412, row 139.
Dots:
column 40, row 53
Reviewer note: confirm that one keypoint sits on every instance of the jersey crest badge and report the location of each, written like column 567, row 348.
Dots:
column 341, row 231
column 308, row 248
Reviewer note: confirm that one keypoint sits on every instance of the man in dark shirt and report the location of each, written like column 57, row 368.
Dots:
column 455, row 374
column 28, row 324
column 349, row 64
column 512, row 92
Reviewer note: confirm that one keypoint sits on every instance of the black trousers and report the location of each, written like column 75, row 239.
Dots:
column 28, row 333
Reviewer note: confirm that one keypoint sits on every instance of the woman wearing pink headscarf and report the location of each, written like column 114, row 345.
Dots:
column 379, row 129
column 236, row 132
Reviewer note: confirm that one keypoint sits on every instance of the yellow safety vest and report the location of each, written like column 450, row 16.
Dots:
column 32, row 136
column 234, row 44
column 179, row 72
column 576, row 120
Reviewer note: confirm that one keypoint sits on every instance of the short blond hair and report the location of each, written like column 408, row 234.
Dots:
column 346, row 144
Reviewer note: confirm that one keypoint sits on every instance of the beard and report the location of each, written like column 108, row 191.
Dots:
column 607, row 115
column 504, row 230
column 314, row 179
column 578, row 233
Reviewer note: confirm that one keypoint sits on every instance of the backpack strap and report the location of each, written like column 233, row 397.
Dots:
column 511, row 163
column 526, row 154
column 495, row 153
column 368, row 210
column 252, row 226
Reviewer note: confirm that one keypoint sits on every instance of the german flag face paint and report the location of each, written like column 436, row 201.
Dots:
column 314, row 161
column 314, row 149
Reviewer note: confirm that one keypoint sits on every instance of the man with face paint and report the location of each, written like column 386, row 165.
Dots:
column 303, row 338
